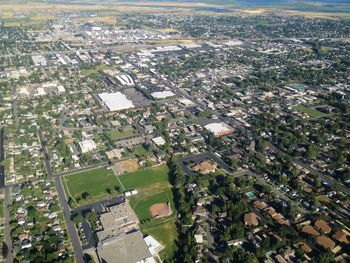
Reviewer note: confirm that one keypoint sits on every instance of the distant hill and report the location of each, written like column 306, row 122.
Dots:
column 329, row 6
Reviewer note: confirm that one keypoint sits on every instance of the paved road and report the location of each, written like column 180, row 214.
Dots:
column 7, row 203
column 79, row 255
column 7, row 200
column 44, row 151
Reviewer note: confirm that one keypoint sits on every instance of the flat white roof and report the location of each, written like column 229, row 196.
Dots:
column 159, row 141
column 219, row 128
column 162, row 94
column 186, row 102
column 87, row 146
column 116, row 101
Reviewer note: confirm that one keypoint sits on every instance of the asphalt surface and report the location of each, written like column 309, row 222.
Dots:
column 79, row 255
column 7, row 201
column 9, row 258
column 78, row 252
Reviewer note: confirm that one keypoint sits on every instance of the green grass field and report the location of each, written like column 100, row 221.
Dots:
column 140, row 150
column 114, row 135
column 142, row 202
column 157, row 177
column 94, row 182
column 309, row 111
column 165, row 233
column 153, row 187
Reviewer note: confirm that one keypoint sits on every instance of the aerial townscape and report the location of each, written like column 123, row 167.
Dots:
column 174, row 131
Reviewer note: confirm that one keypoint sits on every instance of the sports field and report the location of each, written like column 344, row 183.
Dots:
column 114, row 135
column 153, row 187
column 95, row 182
column 152, row 178
column 165, row 232
column 309, row 111
column 142, row 202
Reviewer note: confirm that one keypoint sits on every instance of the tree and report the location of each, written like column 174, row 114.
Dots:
column 77, row 218
column 85, row 195
column 234, row 164
column 312, row 152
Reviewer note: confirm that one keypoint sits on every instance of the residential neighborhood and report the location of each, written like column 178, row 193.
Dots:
column 190, row 132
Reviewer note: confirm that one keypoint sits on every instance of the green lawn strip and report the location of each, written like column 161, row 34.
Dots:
column 6, row 163
column 1, row 208
column 114, row 135
column 94, row 182
column 155, row 176
column 165, row 233
column 309, row 111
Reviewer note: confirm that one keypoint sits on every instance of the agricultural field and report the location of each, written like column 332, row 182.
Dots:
column 309, row 111
column 89, row 186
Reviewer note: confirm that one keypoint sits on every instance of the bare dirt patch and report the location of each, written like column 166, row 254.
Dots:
column 160, row 210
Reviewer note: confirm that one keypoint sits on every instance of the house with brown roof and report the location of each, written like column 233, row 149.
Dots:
column 260, row 205
column 306, row 248
column 322, row 225
column 325, row 242
column 205, row 167
column 310, row 230
column 251, row 219
column 342, row 237
column 271, row 211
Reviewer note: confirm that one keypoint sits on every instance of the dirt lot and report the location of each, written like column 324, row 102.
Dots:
column 126, row 166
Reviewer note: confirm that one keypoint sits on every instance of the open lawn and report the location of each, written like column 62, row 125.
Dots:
column 157, row 177
column 94, row 182
column 94, row 70
column 153, row 187
column 309, row 111
column 165, row 233
column 115, row 135
column 140, row 150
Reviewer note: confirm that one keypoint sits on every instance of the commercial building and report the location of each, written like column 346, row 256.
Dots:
column 158, row 95
column 116, row 101
column 219, row 129
column 120, row 240
column 87, row 146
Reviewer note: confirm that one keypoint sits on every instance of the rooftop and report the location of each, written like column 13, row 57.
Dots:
column 116, row 101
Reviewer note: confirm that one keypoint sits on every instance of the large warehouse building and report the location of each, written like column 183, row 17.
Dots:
column 116, row 101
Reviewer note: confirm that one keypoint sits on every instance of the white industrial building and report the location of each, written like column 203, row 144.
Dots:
column 87, row 146
column 219, row 129
column 159, row 141
column 116, row 101
column 162, row 94
column 125, row 80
